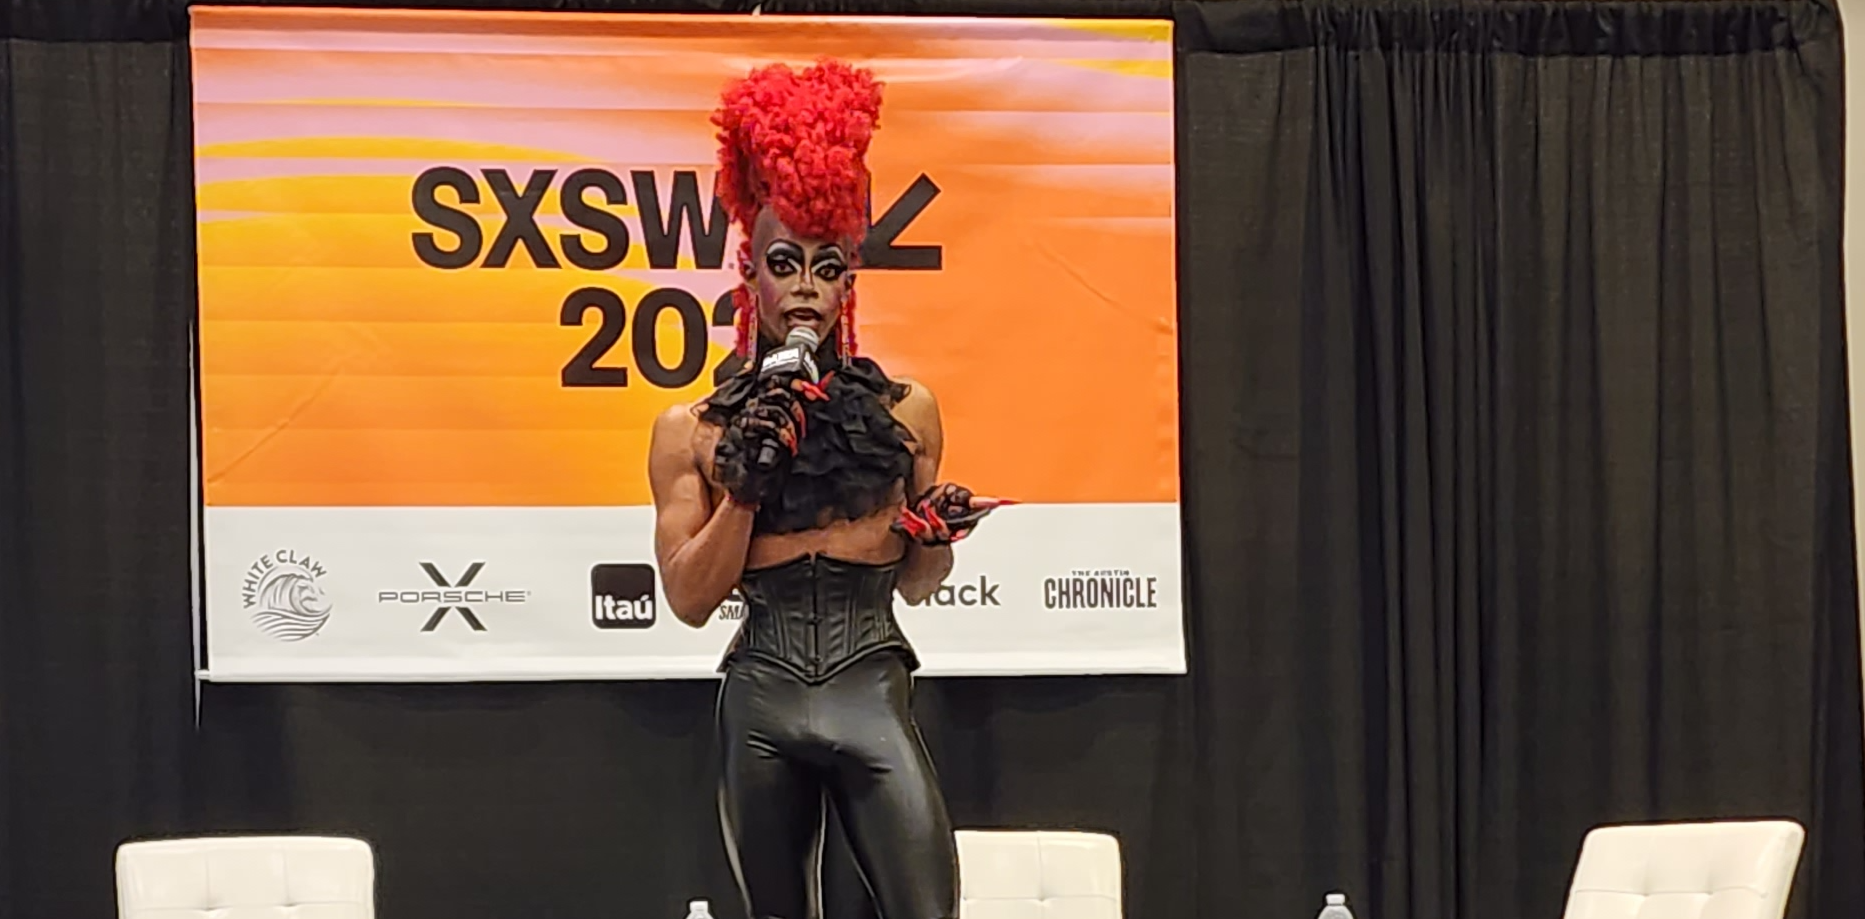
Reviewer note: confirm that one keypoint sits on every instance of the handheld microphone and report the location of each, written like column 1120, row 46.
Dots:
column 797, row 358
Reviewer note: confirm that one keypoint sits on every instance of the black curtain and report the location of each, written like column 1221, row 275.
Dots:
column 96, row 646
column 1527, row 362
column 1517, row 489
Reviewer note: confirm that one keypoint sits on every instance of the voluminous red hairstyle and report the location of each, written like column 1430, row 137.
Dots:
column 797, row 140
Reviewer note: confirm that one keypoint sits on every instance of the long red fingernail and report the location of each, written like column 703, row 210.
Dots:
column 915, row 526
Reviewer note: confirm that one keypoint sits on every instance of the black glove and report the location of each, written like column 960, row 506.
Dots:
column 944, row 514
column 772, row 418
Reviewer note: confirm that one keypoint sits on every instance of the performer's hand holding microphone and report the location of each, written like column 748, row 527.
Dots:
column 754, row 452
column 778, row 375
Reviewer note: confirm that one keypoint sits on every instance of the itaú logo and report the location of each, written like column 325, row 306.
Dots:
column 979, row 593
column 455, row 596
column 621, row 595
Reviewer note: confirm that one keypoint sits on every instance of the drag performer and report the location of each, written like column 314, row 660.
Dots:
column 813, row 711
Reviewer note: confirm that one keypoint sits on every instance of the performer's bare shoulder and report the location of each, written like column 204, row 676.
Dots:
column 683, row 493
column 681, row 437
column 918, row 412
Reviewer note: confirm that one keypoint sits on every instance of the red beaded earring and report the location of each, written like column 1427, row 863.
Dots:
column 845, row 344
column 744, row 305
column 745, row 312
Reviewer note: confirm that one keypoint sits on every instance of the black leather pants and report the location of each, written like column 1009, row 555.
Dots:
column 794, row 750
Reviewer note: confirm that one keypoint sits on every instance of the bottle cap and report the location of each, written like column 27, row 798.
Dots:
column 699, row 906
column 1337, row 899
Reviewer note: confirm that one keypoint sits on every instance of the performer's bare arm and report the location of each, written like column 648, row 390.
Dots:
column 701, row 549
column 926, row 567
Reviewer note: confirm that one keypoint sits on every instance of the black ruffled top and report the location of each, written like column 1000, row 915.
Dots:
column 854, row 454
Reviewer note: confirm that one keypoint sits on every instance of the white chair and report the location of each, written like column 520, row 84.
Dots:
column 1038, row 874
column 246, row 877
column 1716, row 870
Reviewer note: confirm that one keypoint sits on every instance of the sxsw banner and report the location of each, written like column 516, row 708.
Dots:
column 452, row 265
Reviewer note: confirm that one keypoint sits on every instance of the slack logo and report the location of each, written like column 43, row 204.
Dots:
column 982, row 593
column 621, row 596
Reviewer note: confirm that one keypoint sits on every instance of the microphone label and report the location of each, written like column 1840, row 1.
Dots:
column 789, row 360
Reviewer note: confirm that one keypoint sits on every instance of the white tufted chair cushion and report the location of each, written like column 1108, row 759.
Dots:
column 246, row 877
column 1720, row 870
column 1039, row 874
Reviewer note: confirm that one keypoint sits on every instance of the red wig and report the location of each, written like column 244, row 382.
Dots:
column 798, row 142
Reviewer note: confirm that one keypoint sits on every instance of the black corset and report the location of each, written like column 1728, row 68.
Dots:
column 816, row 615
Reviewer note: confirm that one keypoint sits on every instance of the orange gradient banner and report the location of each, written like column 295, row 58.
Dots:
column 464, row 259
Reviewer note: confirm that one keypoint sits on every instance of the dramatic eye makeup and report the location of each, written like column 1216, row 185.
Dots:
column 783, row 258
column 829, row 264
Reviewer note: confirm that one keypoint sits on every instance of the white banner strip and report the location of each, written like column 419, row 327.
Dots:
column 368, row 594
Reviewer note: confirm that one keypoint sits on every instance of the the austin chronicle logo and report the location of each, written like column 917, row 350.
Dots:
column 1102, row 589
column 457, row 596
column 281, row 593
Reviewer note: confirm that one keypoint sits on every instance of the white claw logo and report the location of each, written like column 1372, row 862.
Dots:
column 281, row 591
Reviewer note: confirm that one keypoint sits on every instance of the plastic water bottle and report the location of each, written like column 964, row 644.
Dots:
column 698, row 909
column 1336, row 907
